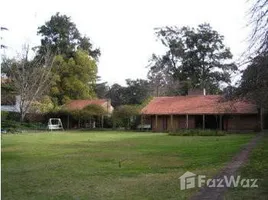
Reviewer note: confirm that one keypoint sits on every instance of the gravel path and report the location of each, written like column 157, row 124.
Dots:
column 240, row 159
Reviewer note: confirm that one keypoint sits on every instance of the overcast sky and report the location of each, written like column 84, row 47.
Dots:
column 124, row 29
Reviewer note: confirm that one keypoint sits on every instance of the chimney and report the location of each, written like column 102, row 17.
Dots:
column 204, row 91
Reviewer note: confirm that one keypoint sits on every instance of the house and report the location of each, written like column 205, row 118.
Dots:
column 200, row 111
column 93, row 121
column 11, row 104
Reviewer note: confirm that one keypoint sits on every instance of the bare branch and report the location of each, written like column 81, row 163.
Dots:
column 31, row 78
column 258, row 15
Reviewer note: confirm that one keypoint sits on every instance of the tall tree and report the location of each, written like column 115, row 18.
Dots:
column 30, row 79
column 74, row 78
column 259, row 23
column 196, row 57
column 101, row 89
column 8, row 91
column 254, row 81
column 137, row 91
column 117, row 95
column 61, row 36
column 162, row 82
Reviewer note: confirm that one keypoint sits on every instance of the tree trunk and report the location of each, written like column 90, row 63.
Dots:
column 261, row 119
column 22, row 116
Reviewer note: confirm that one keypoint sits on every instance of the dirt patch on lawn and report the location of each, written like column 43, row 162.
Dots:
column 217, row 193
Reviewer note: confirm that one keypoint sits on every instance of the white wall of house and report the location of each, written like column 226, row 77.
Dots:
column 108, row 107
column 12, row 108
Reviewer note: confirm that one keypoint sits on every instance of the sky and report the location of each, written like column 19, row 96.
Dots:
column 124, row 30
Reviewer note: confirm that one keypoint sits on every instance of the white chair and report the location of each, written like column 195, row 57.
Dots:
column 55, row 124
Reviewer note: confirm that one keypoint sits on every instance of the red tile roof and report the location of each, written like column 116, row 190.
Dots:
column 209, row 104
column 80, row 104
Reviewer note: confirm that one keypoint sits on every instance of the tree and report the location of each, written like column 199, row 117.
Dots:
column 84, row 44
column 137, row 91
column 6, row 65
column 94, row 109
column 161, row 80
column 61, row 36
column 43, row 105
column 8, row 91
column 259, row 23
column 91, row 112
column 73, row 78
column 117, row 95
column 101, row 89
column 30, row 78
column 125, row 116
column 254, row 81
column 88, row 112
column 197, row 58
column 229, row 92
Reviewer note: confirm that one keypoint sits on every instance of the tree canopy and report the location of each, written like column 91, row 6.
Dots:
column 195, row 57
column 101, row 88
column 253, row 85
column 125, row 115
column 254, row 81
column 259, row 22
column 29, row 79
column 88, row 112
column 73, row 78
column 61, row 36
column 136, row 92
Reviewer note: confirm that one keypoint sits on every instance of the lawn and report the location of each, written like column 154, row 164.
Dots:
column 109, row 165
column 256, row 168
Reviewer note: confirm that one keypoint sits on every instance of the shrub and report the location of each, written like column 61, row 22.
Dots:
column 13, row 116
column 13, row 126
column 4, row 115
column 88, row 112
column 197, row 132
column 9, row 124
column 126, row 116
column 108, row 122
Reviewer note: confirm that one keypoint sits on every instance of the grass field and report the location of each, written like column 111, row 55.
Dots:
column 86, row 165
column 256, row 168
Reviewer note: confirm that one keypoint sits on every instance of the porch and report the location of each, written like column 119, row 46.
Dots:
column 205, row 121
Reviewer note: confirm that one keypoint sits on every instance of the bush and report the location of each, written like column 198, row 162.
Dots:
column 13, row 126
column 4, row 115
column 9, row 124
column 197, row 132
column 13, row 116
column 108, row 122
column 126, row 116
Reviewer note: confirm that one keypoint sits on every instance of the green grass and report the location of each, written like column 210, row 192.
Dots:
column 256, row 168
column 85, row 165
